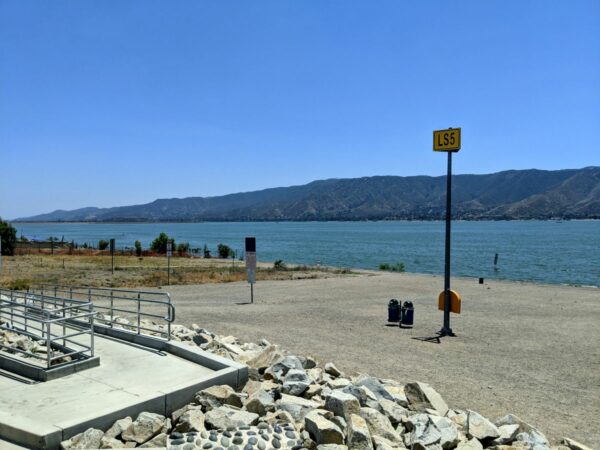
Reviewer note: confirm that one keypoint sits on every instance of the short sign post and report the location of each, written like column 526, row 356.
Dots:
column 250, row 252
column 447, row 141
column 112, row 255
column 169, row 254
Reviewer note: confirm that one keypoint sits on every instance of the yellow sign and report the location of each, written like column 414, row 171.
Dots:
column 446, row 140
column 455, row 301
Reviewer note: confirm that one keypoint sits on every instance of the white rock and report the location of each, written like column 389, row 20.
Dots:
column 107, row 442
column 342, row 404
column 508, row 433
column 179, row 412
column 511, row 419
column 316, row 374
column 359, row 437
column 421, row 431
column 481, row 428
column 261, row 402
column 322, row 430
column 534, row 439
column 295, row 382
column 265, row 358
column 379, row 425
column 278, row 370
column 472, row 444
column 118, row 427
column 574, row 445
column 448, row 430
column 278, row 417
column 297, row 407
column 381, row 443
column 392, row 411
column 89, row 439
column 331, row 447
column 216, row 396
column 421, row 396
column 191, row 420
column 145, row 427
column 332, row 370
column 338, row 383
column 157, row 441
column 374, row 386
column 225, row 416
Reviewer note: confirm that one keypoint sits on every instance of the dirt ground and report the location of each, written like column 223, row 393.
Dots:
column 529, row 349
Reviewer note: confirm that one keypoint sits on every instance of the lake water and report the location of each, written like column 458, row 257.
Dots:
column 565, row 252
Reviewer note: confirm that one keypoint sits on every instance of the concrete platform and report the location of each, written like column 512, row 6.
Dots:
column 159, row 377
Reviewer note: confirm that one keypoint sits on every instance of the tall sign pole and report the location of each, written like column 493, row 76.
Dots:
column 250, row 253
column 112, row 255
column 447, row 141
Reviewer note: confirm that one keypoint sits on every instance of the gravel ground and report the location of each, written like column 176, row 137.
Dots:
column 529, row 349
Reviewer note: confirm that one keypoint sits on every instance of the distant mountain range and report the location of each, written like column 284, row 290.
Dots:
column 513, row 194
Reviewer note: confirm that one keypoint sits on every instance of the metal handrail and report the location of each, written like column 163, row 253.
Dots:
column 36, row 316
column 116, row 298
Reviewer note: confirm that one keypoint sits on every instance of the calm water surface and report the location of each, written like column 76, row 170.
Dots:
column 545, row 251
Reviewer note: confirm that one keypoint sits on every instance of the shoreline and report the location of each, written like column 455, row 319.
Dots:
column 91, row 222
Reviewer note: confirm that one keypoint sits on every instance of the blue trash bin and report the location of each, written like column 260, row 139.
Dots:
column 408, row 314
column 393, row 310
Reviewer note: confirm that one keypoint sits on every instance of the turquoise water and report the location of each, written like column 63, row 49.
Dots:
column 551, row 252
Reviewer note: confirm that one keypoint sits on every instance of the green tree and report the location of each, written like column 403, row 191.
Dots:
column 102, row 244
column 138, row 248
column 159, row 245
column 8, row 235
column 224, row 251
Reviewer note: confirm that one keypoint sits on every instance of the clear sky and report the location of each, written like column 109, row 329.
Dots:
column 106, row 103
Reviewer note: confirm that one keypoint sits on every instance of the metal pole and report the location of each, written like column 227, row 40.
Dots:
column 139, row 313
column 446, row 330
column 168, row 271
column 251, row 292
column 91, row 310
column 48, row 342
column 111, row 308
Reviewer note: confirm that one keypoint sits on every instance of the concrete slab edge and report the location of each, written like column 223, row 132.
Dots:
column 21, row 434
column 38, row 373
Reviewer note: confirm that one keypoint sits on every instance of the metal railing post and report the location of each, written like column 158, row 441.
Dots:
column 139, row 313
column 12, row 318
column 91, row 309
column 64, row 327
column 48, row 342
column 170, row 319
column 111, row 309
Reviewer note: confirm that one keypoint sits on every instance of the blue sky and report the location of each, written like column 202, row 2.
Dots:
column 106, row 103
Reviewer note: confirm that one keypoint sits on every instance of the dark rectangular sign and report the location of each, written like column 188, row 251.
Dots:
column 250, row 244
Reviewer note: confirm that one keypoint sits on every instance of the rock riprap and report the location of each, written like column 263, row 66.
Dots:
column 292, row 402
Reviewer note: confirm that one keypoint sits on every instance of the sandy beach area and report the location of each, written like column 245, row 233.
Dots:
column 524, row 348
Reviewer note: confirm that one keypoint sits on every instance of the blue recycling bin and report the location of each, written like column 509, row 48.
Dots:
column 393, row 310
column 408, row 314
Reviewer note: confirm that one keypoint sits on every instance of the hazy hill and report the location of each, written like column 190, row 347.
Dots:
column 513, row 194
